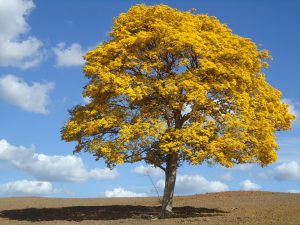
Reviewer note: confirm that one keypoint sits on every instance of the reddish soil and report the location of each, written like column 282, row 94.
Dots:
column 216, row 208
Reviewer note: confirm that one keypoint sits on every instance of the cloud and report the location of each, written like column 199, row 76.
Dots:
column 194, row 184
column 264, row 175
column 294, row 191
column 26, row 187
column 51, row 168
column 293, row 109
column 187, row 108
column 239, row 167
column 16, row 49
column 31, row 98
column 248, row 185
column 292, row 106
column 242, row 167
column 86, row 100
column 149, row 170
column 287, row 171
column 68, row 56
column 121, row 192
column 226, row 176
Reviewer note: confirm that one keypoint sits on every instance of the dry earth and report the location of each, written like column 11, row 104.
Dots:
column 215, row 208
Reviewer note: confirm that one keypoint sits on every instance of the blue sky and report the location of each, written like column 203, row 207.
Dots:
column 41, row 48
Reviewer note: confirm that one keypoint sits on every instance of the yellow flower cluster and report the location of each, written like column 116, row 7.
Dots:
column 159, row 60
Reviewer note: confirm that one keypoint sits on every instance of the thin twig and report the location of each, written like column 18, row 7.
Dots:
column 154, row 187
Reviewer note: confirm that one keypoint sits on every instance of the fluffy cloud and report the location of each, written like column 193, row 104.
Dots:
column 294, row 191
column 287, row 171
column 51, row 168
column 194, row 184
column 26, row 187
column 86, row 100
column 149, row 170
column 68, row 56
column 248, row 185
column 15, row 50
column 31, row 98
column 121, row 192
column 187, row 108
column 292, row 106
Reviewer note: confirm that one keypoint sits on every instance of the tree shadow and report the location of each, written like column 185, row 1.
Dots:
column 108, row 212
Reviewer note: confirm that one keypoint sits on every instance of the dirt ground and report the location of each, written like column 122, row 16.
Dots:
column 214, row 208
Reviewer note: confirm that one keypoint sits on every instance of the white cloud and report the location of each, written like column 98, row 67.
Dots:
column 15, row 49
column 292, row 106
column 26, row 187
column 194, row 184
column 187, row 108
column 248, row 185
column 294, row 191
column 31, row 98
column 102, row 174
column 226, row 176
column 87, row 100
column 51, row 168
column 243, row 167
column 149, row 170
column 69, row 56
column 287, row 171
column 121, row 192
column 264, row 175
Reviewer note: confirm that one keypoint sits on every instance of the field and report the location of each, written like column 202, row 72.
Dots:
column 214, row 208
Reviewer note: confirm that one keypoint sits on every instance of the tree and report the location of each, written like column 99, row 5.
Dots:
column 170, row 87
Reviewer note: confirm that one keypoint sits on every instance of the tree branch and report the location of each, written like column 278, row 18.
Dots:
column 155, row 164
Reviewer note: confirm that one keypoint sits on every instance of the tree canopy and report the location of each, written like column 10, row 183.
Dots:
column 171, row 82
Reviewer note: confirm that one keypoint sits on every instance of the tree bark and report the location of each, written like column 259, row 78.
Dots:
column 170, row 179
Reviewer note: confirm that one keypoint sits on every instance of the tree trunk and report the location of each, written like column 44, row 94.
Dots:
column 170, row 178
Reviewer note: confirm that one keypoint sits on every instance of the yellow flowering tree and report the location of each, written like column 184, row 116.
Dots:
column 170, row 87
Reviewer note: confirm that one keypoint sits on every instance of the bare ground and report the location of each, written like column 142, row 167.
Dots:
column 216, row 208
